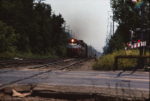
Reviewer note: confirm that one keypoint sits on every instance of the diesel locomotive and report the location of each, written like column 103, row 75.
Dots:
column 76, row 48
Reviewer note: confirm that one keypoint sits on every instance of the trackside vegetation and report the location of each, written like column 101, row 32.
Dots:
column 129, row 18
column 106, row 62
column 29, row 28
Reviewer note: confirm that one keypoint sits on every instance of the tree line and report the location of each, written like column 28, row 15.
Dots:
column 30, row 26
column 128, row 16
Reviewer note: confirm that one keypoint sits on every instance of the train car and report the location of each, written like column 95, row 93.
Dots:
column 76, row 48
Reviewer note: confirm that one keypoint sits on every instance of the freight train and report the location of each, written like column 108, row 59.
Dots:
column 78, row 48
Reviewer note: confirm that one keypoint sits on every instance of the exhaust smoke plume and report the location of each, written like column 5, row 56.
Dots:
column 86, row 18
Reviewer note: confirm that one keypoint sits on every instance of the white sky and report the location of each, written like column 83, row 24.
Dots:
column 87, row 19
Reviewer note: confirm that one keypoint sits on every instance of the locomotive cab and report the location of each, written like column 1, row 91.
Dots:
column 76, row 48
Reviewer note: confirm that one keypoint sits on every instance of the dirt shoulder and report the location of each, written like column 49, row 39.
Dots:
column 83, row 66
column 44, row 92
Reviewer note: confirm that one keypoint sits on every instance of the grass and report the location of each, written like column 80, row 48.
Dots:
column 11, row 55
column 53, row 53
column 106, row 62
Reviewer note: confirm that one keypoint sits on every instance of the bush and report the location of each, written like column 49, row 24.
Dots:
column 106, row 62
column 12, row 55
column 7, row 38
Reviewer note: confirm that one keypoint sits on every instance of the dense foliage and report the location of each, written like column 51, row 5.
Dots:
column 129, row 17
column 7, row 37
column 30, row 26
column 106, row 62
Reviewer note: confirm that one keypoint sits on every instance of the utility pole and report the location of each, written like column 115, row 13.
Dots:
column 113, row 22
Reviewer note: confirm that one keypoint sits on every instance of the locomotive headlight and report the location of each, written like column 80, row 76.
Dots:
column 134, row 1
column 72, row 40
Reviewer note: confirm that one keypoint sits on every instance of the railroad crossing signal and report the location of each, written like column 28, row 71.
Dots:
column 136, row 44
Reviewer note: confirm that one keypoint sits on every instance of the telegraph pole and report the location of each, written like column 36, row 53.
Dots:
column 113, row 22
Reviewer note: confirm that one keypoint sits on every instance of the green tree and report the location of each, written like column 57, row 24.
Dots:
column 40, row 38
column 7, row 38
column 50, row 34
column 128, row 17
column 18, row 14
column 39, row 31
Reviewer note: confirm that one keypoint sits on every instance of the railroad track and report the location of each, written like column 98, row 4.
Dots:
column 65, row 65
column 19, row 63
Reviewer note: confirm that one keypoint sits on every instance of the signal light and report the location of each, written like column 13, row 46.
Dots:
column 139, row 41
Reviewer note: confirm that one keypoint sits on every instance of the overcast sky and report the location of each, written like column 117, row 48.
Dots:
column 87, row 19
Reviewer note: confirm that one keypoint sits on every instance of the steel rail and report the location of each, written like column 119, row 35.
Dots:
column 40, row 73
column 39, row 66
